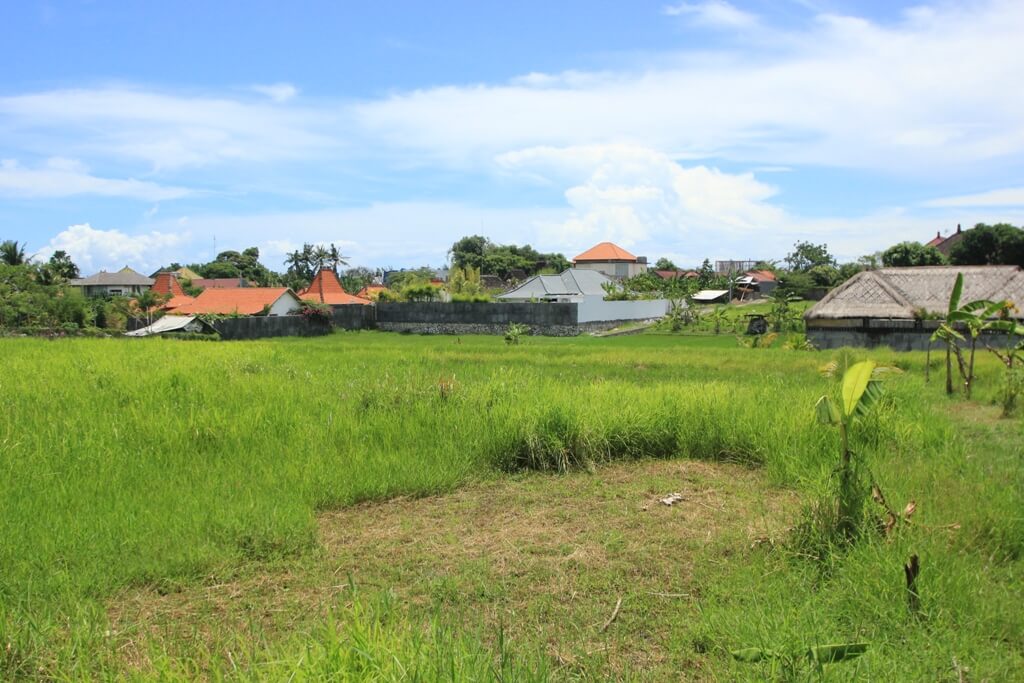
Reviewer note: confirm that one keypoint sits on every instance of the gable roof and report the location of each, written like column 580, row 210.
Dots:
column 903, row 292
column 186, row 273
column 605, row 251
column 126, row 277
column 244, row 301
column 935, row 241
column 573, row 282
column 761, row 275
column 326, row 289
column 167, row 284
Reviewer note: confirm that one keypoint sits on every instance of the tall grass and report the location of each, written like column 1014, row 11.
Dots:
column 159, row 462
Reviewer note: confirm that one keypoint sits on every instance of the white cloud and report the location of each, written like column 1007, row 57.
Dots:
column 1010, row 196
column 167, row 130
column 66, row 177
column 278, row 92
column 94, row 249
column 921, row 96
column 717, row 13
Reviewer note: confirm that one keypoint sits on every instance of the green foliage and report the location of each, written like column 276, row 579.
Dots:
column 30, row 301
column 464, row 285
column 12, row 253
column 788, row 663
column 313, row 310
column 806, row 255
column 1000, row 244
column 421, row 291
column 664, row 264
column 303, row 264
column 798, row 284
column 824, row 275
column 59, row 269
column 907, row 254
column 479, row 252
column 245, row 264
column 514, row 331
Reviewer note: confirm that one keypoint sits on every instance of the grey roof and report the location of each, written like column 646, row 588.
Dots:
column 170, row 323
column 904, row 292
column 571, row 282
column 126, row 277
column 710, row 294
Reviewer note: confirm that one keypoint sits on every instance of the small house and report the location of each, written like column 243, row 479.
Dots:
column 125, row 282
column 572, row 285
column 612, row 260
column 271, row 301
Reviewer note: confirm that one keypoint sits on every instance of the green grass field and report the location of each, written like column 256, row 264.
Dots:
column 175, row 509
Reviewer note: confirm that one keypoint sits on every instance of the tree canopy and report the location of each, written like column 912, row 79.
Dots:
column 806, row 255
column 989, row 245
column 479, row 252
column 912, row 254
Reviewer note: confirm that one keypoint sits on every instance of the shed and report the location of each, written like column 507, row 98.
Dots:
column 572, row 285
column 174, row 323
column 892, row 306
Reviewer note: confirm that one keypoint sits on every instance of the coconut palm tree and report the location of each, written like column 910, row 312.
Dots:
column 12, row 253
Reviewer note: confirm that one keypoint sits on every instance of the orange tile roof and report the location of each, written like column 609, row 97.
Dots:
column 761, row 275
column 166, row 283
column 327, row 289
column 244, row 301
column 370, row 291
column 605, row 251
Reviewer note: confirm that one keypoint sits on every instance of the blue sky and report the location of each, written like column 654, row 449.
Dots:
column 144, row 133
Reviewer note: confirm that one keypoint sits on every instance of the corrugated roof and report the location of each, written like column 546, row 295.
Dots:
column 126, row 277
column 326, row 289
column 903, row 292
column 245, row 301
column 605, row 251
column 571, row 282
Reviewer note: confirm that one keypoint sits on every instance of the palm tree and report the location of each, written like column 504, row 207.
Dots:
column 12, row 253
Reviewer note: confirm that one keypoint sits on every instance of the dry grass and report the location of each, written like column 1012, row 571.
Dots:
column 544, row 557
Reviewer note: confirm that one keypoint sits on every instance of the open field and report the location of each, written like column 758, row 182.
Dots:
column 367, row 504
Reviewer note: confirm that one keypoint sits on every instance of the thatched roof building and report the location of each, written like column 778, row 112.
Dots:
column 907, row 293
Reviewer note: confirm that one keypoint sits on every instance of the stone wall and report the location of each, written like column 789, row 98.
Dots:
column 261, row 327
column 898, row 335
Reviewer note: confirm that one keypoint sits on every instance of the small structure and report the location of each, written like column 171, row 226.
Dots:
column 676, row 274
column 899, row 307
column 711, row 296
column 572, row 285
column 271, row 301
column 166, row 283
column 326, row 289
column 174, row 323
column 125, row 282
column 612, row 260
column 371, row 291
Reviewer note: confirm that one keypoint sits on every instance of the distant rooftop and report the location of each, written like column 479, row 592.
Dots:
column 604, row 252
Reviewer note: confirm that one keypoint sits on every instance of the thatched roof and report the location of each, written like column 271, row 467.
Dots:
column 904, row 292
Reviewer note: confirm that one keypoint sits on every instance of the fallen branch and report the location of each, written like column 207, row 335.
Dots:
column 615, row 613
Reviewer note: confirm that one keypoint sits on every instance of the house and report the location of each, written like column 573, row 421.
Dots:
column 125, row 282
column 676, row 274
column 174, row 323
column 326, row 289
column 612, row 260
column 220, row 282
column 166, row 283
column 272, row 301
column 763, row 281
column 572, row 285
column 899, row 307
column 186, row 273
column 945, row 244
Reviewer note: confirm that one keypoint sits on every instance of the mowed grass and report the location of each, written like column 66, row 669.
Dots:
column 167, row 467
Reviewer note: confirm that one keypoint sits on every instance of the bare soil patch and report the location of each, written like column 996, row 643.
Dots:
column 545, row 557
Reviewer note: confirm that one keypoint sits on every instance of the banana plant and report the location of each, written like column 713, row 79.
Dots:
column 946, row 333
column 860, row 389
column 978, row 317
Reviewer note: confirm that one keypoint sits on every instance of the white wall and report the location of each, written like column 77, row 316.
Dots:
column 593, row 309
column 284, row 305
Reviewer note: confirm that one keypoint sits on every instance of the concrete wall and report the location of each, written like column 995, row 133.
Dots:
column 461, row 317
column 899, row 335
column 354, row 317
column 598, row 310
column 261, row 327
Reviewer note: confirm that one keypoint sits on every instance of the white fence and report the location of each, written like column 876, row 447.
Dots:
column 591, row 310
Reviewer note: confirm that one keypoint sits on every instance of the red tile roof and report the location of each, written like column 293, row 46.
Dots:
column 761, row 275
column 244, row 301
column 219, row 282
column 605, row 251
column 327, row 289
column 167, row 284
column 935, row 241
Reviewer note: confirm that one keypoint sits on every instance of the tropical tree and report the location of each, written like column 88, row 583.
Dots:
column 1000, row 244
column 12, row 253
column 806, row 255
column 664, row 264
column 60, row 268
column 912, row 254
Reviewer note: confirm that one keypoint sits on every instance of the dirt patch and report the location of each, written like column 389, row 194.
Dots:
column 545, row 556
